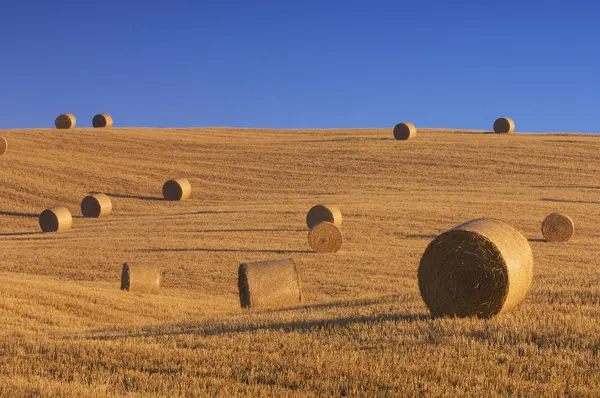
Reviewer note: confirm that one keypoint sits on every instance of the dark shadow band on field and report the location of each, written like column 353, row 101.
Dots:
column 344, row 304
column 588, row 202
column 118, row 195
column 566, row 186
column 252, row 230
column 213, row 250
column 20, row 233
column 536, row 240
column 17, row 214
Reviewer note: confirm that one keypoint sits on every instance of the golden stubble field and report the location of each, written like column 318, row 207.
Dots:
column 363, row 330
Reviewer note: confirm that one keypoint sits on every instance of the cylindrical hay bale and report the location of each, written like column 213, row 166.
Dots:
column 102, row 120
column 177, row 189
column 272, row 283
column 504, row 125
column 557, row 227
column 65, row 121
column 140, row 278
column 404, row 131
column 96, row 205
column 56, row 219
column 322, row 212
column 3, row 145
column 325, row 237
column 480, row 268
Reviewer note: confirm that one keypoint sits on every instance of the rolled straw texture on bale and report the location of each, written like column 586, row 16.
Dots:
column 504, row 125
column 56, row 219
column 323, row 212
column 65, row 121
column 140, row 278
column 102, row 120
column 325, row 237
column 480, row 268
column 405, row 131
column 272, row 283
column 557, row 227
column 96, row 205
column 3, row 145
column 177, row 189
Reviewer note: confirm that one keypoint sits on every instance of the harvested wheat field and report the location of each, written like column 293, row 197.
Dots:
column 362, row 328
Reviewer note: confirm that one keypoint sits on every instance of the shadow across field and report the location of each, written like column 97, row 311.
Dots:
column 252, row 230
column 566, row 186
column 17, row 214
column 213, row 250
column 589, row 202
column 536, row 240
column 20, row 233
column 123, row 196
column 421, row 236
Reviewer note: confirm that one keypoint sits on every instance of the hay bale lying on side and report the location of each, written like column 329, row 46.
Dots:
column 56, row 219
column 405, row 131
column 65, row 121
column 323, row 212
column 504, row 125
column 557, row 227
column 3, row 145
column 272, row 283
column 480, row 268
column 325, row 237
column 102, row 120
column 140, row 278
column 96, row 205
column 177, row 189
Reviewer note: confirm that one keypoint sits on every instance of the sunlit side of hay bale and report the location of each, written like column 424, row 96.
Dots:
column 102, row 120
column 558, row 227
column 3, row 145
column 325, row 237
column 177, row 189
column 96, row 205
column 272, row 283
column 140, row 278
column 56, row 219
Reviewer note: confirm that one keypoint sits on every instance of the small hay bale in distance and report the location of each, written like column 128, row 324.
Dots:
column 177, row 189
column 323, row 212
column 96, row 205
column 271, row 283
column 3, row 145
column 140, row 278
column 102, row 120
column 504, row 125
column 557, row 227
column 65, row 121
column 405, row 131
column 55, row 219
column 480, row 268
column 325, row 237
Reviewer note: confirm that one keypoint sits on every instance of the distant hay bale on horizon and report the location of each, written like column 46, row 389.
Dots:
column 102, row 120
column 557, row 227
column 96, row 205
column 271, row 283
column 56, row 219
column 65, row 121
column 405, row 131
column 177, row 189
column 323, row 212
column 480, row 268
column 140, row 278
column 325, row 237
column 504, row 125
column 3, row 145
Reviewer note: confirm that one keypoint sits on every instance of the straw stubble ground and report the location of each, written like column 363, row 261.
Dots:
column 363, row 329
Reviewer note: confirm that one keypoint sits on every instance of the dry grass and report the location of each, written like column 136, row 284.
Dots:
column 363, row 329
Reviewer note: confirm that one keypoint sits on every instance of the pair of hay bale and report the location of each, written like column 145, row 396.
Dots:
column 177, row 189
column 558, row 227
column 404, row 131
column 140, row 278
column 324, row 222
column 68, row 121
column 57, row 219
column 3, row 145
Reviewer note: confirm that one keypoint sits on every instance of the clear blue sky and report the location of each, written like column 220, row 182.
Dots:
column 301, row 64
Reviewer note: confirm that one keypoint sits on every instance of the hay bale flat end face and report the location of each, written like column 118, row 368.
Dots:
column 480, row 268
column 3, row 145
column 65, row 121
column 405, row 131
column 504, row 125
column 102, row 120
column 140, row 278
column 177, row 189
column 323, row 212
column 557, row 227
column 56, row 219
column 96, row 205
column 325, row 237
column 272, row 283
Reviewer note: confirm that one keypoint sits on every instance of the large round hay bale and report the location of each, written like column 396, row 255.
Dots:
column 96, row 205
column 55, row 219
column 65, row 121
column 3, row 145
column 325, row 237
column 269, row 283
column 177, row 189
column 102, row 120
column 504, row 125
column 557, row 227
column 480, row 268
column 323, row 212
column 140, row 278
column 405, row 131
